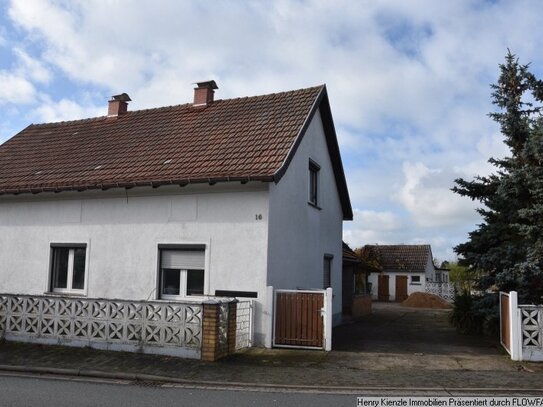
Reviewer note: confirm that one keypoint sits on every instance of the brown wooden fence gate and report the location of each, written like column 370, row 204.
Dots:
column 505, row 321
column 299, row 319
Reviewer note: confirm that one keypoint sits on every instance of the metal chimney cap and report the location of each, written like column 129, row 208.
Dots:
column 207, row 84
column 123, row 97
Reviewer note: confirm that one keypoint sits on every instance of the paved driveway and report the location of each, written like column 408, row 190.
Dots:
column 401, row 337
column 394, row 328
column 399, row 347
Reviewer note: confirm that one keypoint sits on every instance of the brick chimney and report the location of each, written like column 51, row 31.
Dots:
column 203, row 93
column 118, row 105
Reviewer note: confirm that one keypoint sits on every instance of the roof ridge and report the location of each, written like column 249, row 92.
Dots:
column 401, row 245
column 272, row 94
column 169, row 107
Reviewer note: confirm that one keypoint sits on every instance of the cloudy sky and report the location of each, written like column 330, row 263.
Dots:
column 408, row 82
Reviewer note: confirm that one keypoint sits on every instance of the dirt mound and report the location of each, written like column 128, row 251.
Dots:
column 425, row 300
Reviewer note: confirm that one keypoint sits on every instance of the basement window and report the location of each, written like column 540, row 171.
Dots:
column 68, row 264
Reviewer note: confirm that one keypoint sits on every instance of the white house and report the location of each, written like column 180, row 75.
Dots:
column 210, row 198
column 405, row 269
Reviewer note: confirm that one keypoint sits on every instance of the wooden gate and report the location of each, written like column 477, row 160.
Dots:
column 299, row 319
column 382, row 288
column 505, row 322
column 401, row 288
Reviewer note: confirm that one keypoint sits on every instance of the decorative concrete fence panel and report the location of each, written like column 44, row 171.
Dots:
column 531, row 317
column 160, row 327
column 521, row 328
column 244, row 324
column 443, row 290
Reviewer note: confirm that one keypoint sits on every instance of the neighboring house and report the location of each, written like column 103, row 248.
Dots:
column 351, row 271
column 441, row 275
column 405, row 269
column 211, row 198
column 356, row 299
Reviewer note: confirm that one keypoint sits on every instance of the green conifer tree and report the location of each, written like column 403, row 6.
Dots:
column 506, row 248
column 531, row 228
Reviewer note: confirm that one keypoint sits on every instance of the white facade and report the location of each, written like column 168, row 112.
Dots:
column 255, row 235
column 123, row 233
column 412, row 285
column 300, row 234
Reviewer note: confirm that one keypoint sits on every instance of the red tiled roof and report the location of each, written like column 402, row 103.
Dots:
column 349, row 255
column 403, row 257
column 250, row 138
column 236, row 138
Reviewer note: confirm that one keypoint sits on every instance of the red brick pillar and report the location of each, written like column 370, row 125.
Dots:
column 210, row 338
column 215, row 326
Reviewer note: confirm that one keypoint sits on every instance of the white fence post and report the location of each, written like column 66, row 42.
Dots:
column 252, row 324
column 268, row 317
column 515, row 327
column 328, row 319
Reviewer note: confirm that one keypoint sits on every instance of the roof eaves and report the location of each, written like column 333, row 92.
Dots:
column 335, row 156
column 131, row 184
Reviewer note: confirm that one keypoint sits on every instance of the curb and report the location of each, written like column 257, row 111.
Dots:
column 265, row 387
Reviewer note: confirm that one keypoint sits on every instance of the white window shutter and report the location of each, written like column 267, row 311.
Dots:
column 183, row 259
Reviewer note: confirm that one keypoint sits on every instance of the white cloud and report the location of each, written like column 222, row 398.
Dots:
column 32, row 68
column 375, row 227
column 15, row 89
column 65, row 109
column 408, row 81
column 427, row 196
column 366, row 229
column 381, row 220
column 255, row 48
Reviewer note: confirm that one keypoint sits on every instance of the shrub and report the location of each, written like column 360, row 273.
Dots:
column 465, row 316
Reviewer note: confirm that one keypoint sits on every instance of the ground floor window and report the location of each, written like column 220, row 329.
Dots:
column 415, row 279
column 68, row 268
column 181, row 272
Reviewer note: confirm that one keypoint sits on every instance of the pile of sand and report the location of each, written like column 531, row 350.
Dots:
column 425, row 300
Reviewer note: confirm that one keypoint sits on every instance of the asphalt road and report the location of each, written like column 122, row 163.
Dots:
column 34, row 391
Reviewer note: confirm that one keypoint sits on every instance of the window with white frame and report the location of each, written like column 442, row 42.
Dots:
column 314, row 169
column 415, row 279
column 68, row 263
column 181, row 272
